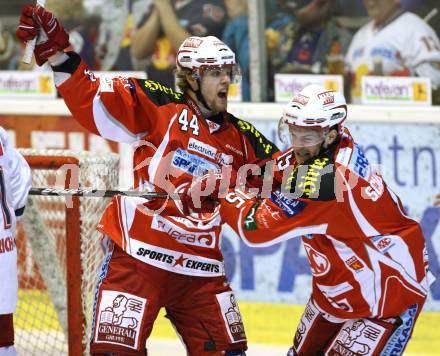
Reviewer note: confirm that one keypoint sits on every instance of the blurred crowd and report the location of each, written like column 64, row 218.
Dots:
column 348, row 37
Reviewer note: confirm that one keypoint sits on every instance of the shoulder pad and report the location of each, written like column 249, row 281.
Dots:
column 160, row 94
column 314, row 180
column 262, row 146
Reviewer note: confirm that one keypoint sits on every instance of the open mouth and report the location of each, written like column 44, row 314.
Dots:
column 222, row 94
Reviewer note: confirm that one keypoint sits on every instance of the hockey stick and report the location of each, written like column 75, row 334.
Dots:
column 98, row 193
column 30, row 45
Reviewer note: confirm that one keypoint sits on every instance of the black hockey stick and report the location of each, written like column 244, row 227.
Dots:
column 98, row 193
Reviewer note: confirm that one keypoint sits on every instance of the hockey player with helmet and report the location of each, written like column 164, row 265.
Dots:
column 367, row 257
column 15, row 181
column 157, row 261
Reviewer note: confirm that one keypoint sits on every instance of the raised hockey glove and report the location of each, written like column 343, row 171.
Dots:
column 52, row 38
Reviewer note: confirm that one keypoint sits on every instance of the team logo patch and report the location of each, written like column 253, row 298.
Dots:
column 290, row 206
column 357, row 337
column 231, row 316
column 120, row 318
column 319, row 263
column 383, row 243
column 300, row 99
column 354, row 263
column 192, row 164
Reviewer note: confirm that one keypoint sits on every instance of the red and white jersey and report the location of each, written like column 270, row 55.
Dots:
column 15, row 181
column 405, row 46
column 368, row 259
column 173, row 145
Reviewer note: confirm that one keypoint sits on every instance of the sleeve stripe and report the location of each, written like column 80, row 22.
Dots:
column 109, row 127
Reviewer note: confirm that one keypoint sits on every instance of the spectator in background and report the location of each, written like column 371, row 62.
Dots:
column 236, row 36
column 437, row 199
column 119, row 20
column 312, row 42
column 394, row 42
column 9, row 50
column 166, row 25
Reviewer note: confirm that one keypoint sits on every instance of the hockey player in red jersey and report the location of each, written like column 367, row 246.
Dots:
column 157, row 261
column 367, row 257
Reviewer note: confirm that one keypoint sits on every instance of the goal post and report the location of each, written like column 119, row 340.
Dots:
column 59, row 252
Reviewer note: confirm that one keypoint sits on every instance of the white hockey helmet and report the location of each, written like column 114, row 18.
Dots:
column 314, row 107
column 201, row 53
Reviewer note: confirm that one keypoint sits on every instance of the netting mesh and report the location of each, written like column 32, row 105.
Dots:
column 41, row 317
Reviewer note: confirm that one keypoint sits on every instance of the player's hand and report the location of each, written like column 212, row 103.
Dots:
column 53, row 37
column 203, row 194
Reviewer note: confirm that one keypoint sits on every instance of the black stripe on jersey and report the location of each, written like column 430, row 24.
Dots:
column 160, row 94
column 70, row 65
column 262, row 146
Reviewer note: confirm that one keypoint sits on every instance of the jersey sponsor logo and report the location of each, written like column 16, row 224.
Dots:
column 354, row 263
column 357, row 337
column 231, row 316
column 175, row 261
column 307, row 180
column 383, row 52
column 7, row 244
column 202, row 239
column 153, row 86
column 290, row 206
column 267, row 215
column 106, row 85
column 328, row 97
column 233, row 149
column 307, row 319
column 90, row 74
column 265, row 144
column 397, row 342
column 359, row 162
column 120, row 318
column 249, row 220
column 209, row 151
column 192, row 164
column 319, row 263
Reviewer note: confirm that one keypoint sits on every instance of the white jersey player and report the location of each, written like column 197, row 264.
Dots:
column 15, row 181
column 393, row 43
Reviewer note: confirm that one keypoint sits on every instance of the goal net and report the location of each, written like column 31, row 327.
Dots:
column 59, row 252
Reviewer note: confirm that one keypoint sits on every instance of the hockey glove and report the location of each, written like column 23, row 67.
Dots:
column 52, row 38
column 202, row 195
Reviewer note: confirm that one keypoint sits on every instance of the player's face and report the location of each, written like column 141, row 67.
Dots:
column 381, row 10
column 214, row 86
column 306, row 142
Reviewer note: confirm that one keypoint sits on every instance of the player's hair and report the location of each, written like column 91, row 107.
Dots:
column 181, row 80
